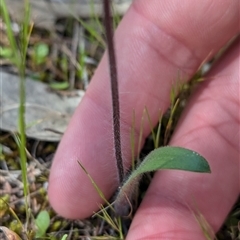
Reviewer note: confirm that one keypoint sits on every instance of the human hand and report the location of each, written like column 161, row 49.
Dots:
column 153, row 42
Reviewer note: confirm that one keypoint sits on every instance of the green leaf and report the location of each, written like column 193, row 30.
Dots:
column 59, row 85
column 172, row 158
column 41, row 52
column 161, row 158
column 6, row 52
column 64, row 237
column 42, row 221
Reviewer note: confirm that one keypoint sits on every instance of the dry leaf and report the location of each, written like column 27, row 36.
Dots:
column 9, row 234
column 47, row 113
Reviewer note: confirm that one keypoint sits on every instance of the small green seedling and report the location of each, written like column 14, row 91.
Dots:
column 42, row 221
column 6, row 52
column 41, row 51
column 161, row 158
column 64, row 237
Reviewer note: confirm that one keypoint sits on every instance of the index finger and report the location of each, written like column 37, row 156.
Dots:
column 155, row 40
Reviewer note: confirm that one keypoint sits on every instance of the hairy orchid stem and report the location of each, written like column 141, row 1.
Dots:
column 114, row 89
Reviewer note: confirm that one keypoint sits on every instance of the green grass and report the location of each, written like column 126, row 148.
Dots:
column 19, row 60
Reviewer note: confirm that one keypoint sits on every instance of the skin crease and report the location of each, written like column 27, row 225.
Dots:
column 154, row 40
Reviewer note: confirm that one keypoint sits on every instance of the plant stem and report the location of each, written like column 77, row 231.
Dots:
column 114, row 90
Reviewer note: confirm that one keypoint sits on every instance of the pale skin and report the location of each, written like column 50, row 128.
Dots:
column 155, row 40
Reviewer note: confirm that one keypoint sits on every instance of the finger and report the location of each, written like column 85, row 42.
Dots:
column 178, row 204
column 154, row 41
